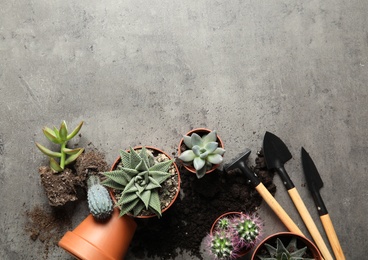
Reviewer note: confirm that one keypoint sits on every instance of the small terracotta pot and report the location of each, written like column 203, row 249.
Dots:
column 286, row 237
column 117, row 161
column 244, row 250
column 200, row 132
column 93, row 240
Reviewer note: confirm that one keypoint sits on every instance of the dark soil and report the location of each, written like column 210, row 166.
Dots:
column 189, row 220
column 62, row 187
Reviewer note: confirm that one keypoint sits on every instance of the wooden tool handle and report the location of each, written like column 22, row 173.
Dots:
column 332, row 237
column 280, row 212
column 308, row 221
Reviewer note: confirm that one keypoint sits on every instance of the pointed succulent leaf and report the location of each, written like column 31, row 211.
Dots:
column 71, row 151
column 118, row 176
column 143, row 154
column 211, row 146
column 112, row 184
column 145, row 197
column 198, row 163
column 138, row 208
column 129, row 188
column 187, row 156
column 154, row 203
column 299, row 252
column 210, row 137
column 196, row 139
column 125, row 159
column 201, row 172
column 162, row 166
column 187, row 141
column 56, row 131
column 219, row 151
column 128, row 198
column 73, row 157
column 48, row 152
column 50, row 134
column 135, row 159
column 204, row 155
column 271, row 250
column 160, row 177
column 280, row 247
column 153, row 184
column 125, row 208
column 54, row 165
column 142, row 166
column 75, row 131
column 63, row 131
column 196, row 150
column 215, row 158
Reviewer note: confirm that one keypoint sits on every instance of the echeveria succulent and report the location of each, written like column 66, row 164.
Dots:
column 61, row 136
column 202, row 152
column 137, row 180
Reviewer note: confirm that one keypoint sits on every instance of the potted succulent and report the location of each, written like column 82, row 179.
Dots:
column 286, row 246
column 59, row 178
column 143, row 182
column 233, row 235
column 201, row 150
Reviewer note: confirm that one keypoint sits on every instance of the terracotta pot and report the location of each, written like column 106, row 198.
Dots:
column 182, row 148
column 117, row 161
column 244, row 250
column 93, row 240
column 286, row 237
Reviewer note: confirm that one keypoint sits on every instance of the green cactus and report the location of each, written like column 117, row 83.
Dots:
column 291, row 252
column 99, row 201
column 137, row 180
column 222, row 246
column 223, row 223
column 61, row 136
column 247, row 229
column 202, row 152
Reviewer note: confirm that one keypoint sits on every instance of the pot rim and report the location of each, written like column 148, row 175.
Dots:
column 201, row 129
column 117, row 161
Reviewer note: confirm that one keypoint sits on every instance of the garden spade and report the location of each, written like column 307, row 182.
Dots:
column 240, row 164
column 276, row 155
column 315, row 183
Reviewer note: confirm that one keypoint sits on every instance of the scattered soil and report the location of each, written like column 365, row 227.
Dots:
column 63, row 187
column 190, row 218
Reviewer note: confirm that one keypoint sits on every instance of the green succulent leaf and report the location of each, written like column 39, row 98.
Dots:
column 187, row 156
column 159, row 176
column 142, row 166
column 75, row 131
column 125, row 159
column 48, row 152
column 215, row 158
column 201, row 172
column 154, row 203
column 153, row 184
column 210, row 137
column 196, row 139
column 145, row 197
column 112, row 184
column 204, row 155
column 162, row 166
column 211, row 147
column 71, row 151
column 50, row 134
column 196, row 150
column 135, row 159
column 73, row 157
column 199, row 163
column 219, row 151
column 119, row 176
column 63, row 131
column 54, row 165
column 187, row 141
column 125, row 208
column 143, row 154
column 138, row 208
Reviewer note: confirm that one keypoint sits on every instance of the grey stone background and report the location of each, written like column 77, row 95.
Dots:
column 146, row 72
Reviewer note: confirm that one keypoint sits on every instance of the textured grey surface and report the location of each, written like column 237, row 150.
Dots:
column 146, row 72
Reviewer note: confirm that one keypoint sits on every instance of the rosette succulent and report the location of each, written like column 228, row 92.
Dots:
column 202, row 152
column 61, row 137
column 137, row 181
column 291, row 252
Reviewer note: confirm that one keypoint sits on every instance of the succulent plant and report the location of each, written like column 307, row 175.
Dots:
column 222, row 245
column 202, row 152
column 291, row 252
column 61, row 136
column 99, row 201
column 223, row 223
column 247, row 228
column 137, row 180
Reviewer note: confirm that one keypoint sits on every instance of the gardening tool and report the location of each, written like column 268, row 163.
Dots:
column 240, row 164
column 276, row 155
column 315, row 183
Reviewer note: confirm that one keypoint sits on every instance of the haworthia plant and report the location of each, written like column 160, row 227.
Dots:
column 137, row 180
column 61, row 137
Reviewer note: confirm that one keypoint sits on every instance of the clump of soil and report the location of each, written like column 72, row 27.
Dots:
column 189, row 219
column 63, row 187
column 47, row 227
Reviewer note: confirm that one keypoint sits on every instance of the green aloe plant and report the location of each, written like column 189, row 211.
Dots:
column 137, row 180
column 290, row 252
column 202, row 152
column 61, row 137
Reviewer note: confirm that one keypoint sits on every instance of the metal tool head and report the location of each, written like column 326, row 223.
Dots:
column 238, row 161
column 311, row 173
column 275, row 151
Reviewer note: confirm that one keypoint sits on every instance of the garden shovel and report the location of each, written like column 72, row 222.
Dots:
column 315, row 183
column 240, row 164
column 276, row 155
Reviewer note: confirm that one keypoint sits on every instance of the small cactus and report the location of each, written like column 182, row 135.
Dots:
column 99, row 201
column 247, row 229
column 222, row 245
